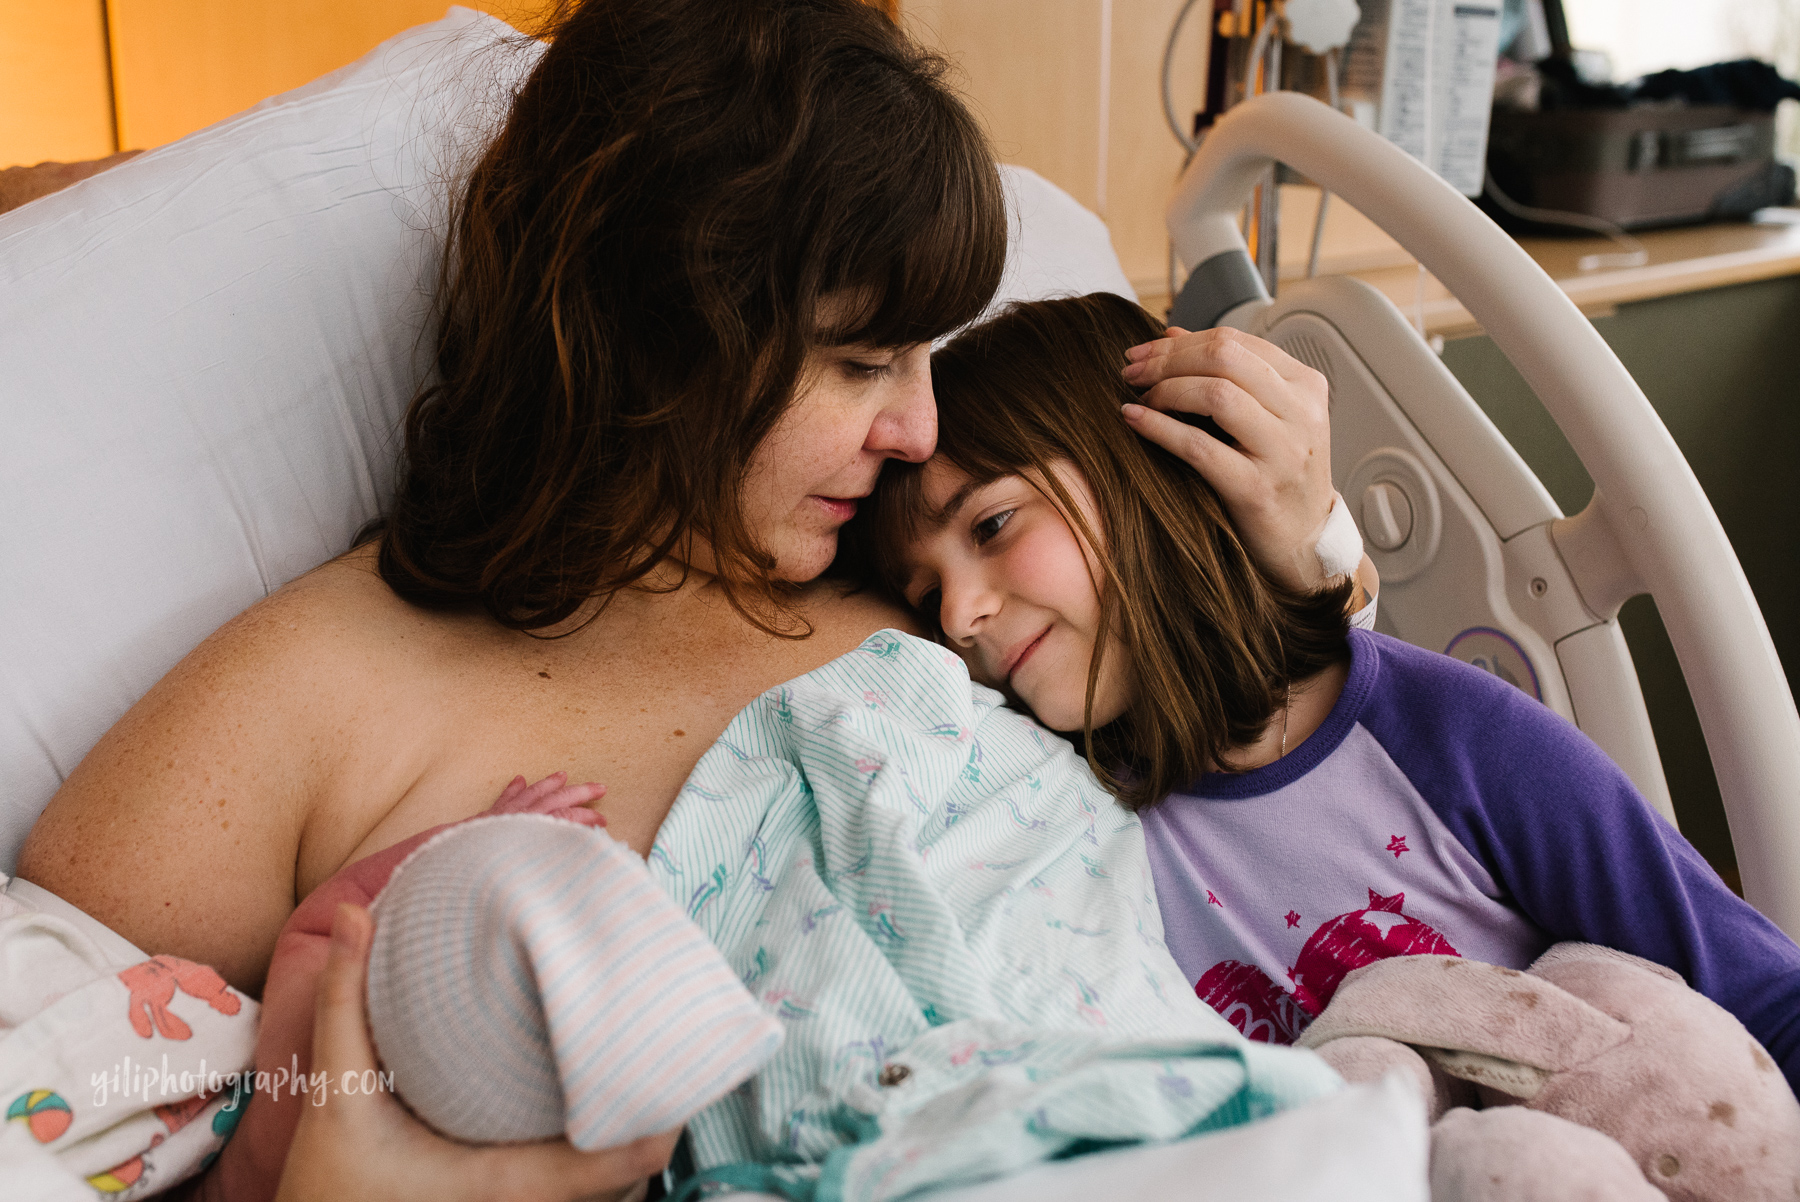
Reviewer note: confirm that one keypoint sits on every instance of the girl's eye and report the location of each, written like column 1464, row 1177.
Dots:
column 863, row 369
column 990, row 526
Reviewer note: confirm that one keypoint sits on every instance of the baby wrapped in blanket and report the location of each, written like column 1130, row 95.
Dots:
column 925, row 892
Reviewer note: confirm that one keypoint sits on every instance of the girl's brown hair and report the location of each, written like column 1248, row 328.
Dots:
column 1212, row 643
column 635, row 275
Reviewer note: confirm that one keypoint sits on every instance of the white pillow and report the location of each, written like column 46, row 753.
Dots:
column 205, row 354
column 1054, row 246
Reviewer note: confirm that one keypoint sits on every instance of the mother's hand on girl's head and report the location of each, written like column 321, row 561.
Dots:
column 358, row 1146
column 1276, row 482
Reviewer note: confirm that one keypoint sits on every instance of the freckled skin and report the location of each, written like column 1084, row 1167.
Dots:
column 334, row 720
column 369, row 721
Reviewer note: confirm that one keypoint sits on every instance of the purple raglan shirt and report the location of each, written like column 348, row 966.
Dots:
column 1439, row 810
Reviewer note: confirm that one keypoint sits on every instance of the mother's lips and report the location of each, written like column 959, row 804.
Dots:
column 841, row 508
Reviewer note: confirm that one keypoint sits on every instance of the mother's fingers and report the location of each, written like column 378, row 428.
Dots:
column 1245, row 418
column 340, row 1036
column 1158, row 346
column 1286, row 386
column 1178, row 339
column 1225, row 469
column 1241, row 368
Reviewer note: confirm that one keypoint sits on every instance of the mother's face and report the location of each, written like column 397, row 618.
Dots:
column 856, row 407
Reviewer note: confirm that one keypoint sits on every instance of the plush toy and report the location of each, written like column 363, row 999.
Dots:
column 1593, row 1075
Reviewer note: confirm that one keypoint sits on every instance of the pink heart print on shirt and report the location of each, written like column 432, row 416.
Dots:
column 1265, row 1012
column 1252, row 1003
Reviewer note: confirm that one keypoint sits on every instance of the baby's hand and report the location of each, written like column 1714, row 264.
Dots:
column 553, row 795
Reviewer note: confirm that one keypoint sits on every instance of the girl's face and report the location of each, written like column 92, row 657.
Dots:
column 1014, row 588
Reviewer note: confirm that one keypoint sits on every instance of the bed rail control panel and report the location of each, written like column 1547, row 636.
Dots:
column 1457, row 524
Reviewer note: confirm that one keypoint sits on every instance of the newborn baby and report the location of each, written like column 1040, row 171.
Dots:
column 528, row 979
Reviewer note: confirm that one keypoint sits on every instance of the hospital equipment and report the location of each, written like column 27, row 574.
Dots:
column 1419, row 72
column 1426, row 67
column 1475, row 558
column 1321, row 26
column 1633, row 168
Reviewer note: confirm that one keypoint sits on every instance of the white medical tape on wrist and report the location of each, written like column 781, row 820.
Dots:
column 1340, row 546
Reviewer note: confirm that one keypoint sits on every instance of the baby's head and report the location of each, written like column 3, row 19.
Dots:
column 1089, row 574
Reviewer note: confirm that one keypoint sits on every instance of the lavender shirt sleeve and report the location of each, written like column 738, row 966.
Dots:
column 1574, row 845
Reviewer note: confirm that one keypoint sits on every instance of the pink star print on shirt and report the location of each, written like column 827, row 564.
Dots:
column 1293, row 918
column 1213, row 900
column 1397, row 845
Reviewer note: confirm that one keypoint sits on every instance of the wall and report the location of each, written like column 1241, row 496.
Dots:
column 176, row 65
column 1073, row 90
column 55, row 101
column 180, row 65
column 1069, row 88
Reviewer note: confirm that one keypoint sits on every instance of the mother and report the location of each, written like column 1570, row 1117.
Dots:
column 686, row 313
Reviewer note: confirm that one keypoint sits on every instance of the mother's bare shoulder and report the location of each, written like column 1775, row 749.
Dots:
column 843, row 614
column 181, row 828
column 344, row 611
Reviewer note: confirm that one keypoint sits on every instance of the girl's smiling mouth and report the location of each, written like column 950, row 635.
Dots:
column 1020, row 653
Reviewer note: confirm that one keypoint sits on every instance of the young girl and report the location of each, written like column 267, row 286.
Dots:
column 1314, row 797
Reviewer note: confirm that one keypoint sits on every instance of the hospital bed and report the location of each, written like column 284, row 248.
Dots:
column 1475, row 558
column 205, row 353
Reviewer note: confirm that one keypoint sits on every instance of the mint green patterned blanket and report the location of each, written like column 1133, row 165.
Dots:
column 957, row 927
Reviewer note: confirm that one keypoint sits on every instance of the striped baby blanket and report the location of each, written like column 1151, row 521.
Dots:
column 956, row 926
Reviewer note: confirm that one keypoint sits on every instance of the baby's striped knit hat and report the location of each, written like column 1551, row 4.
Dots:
column 530, row 979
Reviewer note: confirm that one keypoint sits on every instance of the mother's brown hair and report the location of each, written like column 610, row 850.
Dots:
column 1213, row 643
column 635, row 275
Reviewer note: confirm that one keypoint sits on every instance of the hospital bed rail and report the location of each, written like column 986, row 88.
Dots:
column 1649, row 527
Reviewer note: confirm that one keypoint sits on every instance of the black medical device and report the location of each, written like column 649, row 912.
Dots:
column 1673, row 148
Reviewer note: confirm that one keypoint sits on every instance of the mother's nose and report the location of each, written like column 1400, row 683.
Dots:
column 906, row 427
